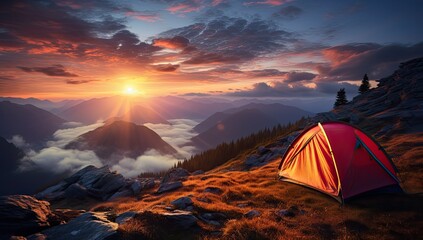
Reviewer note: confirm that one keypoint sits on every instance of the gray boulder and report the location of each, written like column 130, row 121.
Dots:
column 120, row 194
column 90, row 181
column 198, row 172
column 252, row 214
column 136, row 187
column 182, row 202
column 21, row 214
column 166, row 187
column 88, row 226
column 181, row 219
column 75, row 190
column 124, row 217
column 214, row 190
column 175, row 174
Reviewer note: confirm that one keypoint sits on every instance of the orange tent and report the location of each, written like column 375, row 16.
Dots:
column 337, row 159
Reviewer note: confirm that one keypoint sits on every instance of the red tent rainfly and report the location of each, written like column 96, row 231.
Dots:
column 337, row 159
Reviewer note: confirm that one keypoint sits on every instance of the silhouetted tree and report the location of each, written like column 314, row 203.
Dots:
column 365, row 85
column 341, row 98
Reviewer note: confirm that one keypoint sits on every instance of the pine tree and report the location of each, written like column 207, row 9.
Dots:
column 365, row 85
column 341, row 98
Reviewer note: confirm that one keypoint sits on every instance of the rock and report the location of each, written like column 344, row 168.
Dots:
column 88, row 226
column 148, row 183
column 124, row 217
column 290, row 212
column 166, row 187
column 67, row 214
column 52, row 192
column 90, row 181
column 181, row 219
column 75, row 190
column 204, row 199
column 242, row 205
column 214, row 216
column 214, row 190
column 252, row 214
column 17, row 238
column 262, row 150
column 122, row 193
column 182, row 202
column 37, row 236
column 88, row 178
column 136, row 187
column 198, row 172
column 175, row 174
column 21, row 214
column 189, row 208
column 108, row 184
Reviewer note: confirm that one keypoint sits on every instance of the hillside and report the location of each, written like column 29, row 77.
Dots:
column 121, row 138
column 235, row 123
column 242, row 198
column 35, row 125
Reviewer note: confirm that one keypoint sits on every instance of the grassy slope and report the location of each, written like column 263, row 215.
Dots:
column 319, row 216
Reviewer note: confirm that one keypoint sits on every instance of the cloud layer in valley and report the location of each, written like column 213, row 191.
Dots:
column 59, row 160
column 177, row 134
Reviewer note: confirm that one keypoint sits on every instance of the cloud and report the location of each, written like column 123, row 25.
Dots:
column 231, row 40
column 19, row 142
column 56, row 70
column 59, row 160
column 210, row 58
column 76, row 82
column 288, row 12
column 6, row 78
column 295, row 76
column 64, row 136
column 196, row 94
column 295, row 89
column 166, row 67
column 268, row 2
column 147, row 16
column 77, row 29
column 151, row 161
column 351, row 61
column 178, row 134
column 177, row 42
column 185, row 6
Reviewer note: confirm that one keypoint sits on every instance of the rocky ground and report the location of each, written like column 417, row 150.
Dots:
column 242, row 199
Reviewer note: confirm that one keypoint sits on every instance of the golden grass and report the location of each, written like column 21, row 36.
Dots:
column 322, row 217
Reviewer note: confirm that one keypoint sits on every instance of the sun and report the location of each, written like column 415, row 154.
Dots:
column 130, row 91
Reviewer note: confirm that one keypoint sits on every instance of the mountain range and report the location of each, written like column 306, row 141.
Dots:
column 235, row 123
column 35, row 125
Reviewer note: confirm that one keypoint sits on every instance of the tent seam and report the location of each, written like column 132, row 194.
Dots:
column 333, row 159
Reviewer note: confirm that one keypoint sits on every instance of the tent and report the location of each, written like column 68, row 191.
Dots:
column 337, row 159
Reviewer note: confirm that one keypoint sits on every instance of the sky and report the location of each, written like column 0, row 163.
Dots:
column 68, row 49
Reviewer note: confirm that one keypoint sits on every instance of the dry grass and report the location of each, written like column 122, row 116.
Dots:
column 319, row 216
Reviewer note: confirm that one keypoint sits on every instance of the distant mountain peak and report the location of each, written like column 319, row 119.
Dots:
column 121, row 138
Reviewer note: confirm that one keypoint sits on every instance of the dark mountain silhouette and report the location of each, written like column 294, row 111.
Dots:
column 140, row 115
column 96, row 109
column 9, row 156
column 47, row 105
column 20, row 182
column 242, row 121
column 32, row 123
column 176, row 107
column 121, row 138
column 139, row 110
